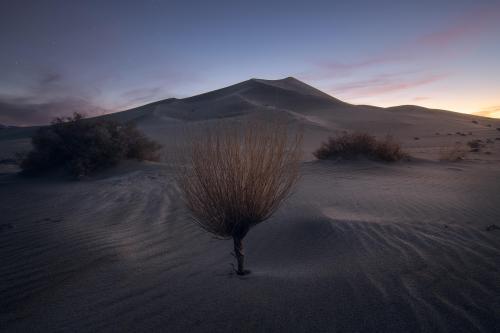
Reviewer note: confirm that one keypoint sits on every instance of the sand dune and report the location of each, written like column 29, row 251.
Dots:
column 360, row 246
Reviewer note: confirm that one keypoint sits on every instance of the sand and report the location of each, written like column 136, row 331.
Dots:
column 360, row 246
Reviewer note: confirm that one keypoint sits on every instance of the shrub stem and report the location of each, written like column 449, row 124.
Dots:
column 240, row 256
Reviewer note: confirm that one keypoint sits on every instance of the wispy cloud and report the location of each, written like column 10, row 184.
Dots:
column 24, row 112
column 435, row 45
column 382, row 84
column 468, row 26
column 50, row 94
column 46, row 97
column 420, row 98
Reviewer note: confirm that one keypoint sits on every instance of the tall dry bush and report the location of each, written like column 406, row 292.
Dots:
column 236, row 176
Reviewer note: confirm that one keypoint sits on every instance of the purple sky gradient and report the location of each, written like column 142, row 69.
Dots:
column 104, row 56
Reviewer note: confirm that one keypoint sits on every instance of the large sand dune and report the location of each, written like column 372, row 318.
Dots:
column 360, row 246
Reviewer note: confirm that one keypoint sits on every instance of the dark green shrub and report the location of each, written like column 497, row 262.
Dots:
column 82, row 146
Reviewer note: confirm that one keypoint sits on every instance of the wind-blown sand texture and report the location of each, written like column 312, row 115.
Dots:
column 360, row 246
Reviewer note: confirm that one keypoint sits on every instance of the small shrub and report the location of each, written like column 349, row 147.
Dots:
column 474, row 122
column 354, row 145
column 389, row 150
column 498, row 128
column 475, row 144
column 82, row 146
column 454, row 153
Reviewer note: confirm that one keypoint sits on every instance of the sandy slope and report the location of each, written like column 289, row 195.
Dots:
column 360, row 246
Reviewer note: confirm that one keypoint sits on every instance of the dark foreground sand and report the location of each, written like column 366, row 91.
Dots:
column 360, row 246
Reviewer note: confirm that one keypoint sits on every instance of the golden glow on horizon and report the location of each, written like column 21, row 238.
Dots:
column 486, row 107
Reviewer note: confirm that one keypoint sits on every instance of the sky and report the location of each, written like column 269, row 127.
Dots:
column 103, row 56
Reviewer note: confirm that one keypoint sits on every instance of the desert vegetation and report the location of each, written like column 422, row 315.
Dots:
column 354, row 145
column 82, row 146
column 475, row 145
column 453, row 153
column 235, row 177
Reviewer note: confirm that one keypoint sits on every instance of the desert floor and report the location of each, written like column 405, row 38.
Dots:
column 360, row 246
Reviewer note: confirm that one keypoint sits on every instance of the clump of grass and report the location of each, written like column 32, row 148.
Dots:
column 354, row 145
column 475, row 145
column 236, row 177
column 82, row 146
column 454, row 153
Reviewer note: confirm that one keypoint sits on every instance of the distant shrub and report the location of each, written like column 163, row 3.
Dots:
column 454, row 153
column 354, row 145
column 475, row 145
column 389, row 150
column 82, row 146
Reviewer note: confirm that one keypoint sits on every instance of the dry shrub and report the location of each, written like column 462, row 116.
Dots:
column 235, row 177
column 476, row 145
column 354, row 145
column 453, row 153
column 389, row 150
column 82, row 146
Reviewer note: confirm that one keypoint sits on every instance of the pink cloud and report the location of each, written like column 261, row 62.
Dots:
column 467, row 26
column 383, row 84
column 435, row 45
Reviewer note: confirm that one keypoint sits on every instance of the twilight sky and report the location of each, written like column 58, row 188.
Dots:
column 103, row 56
